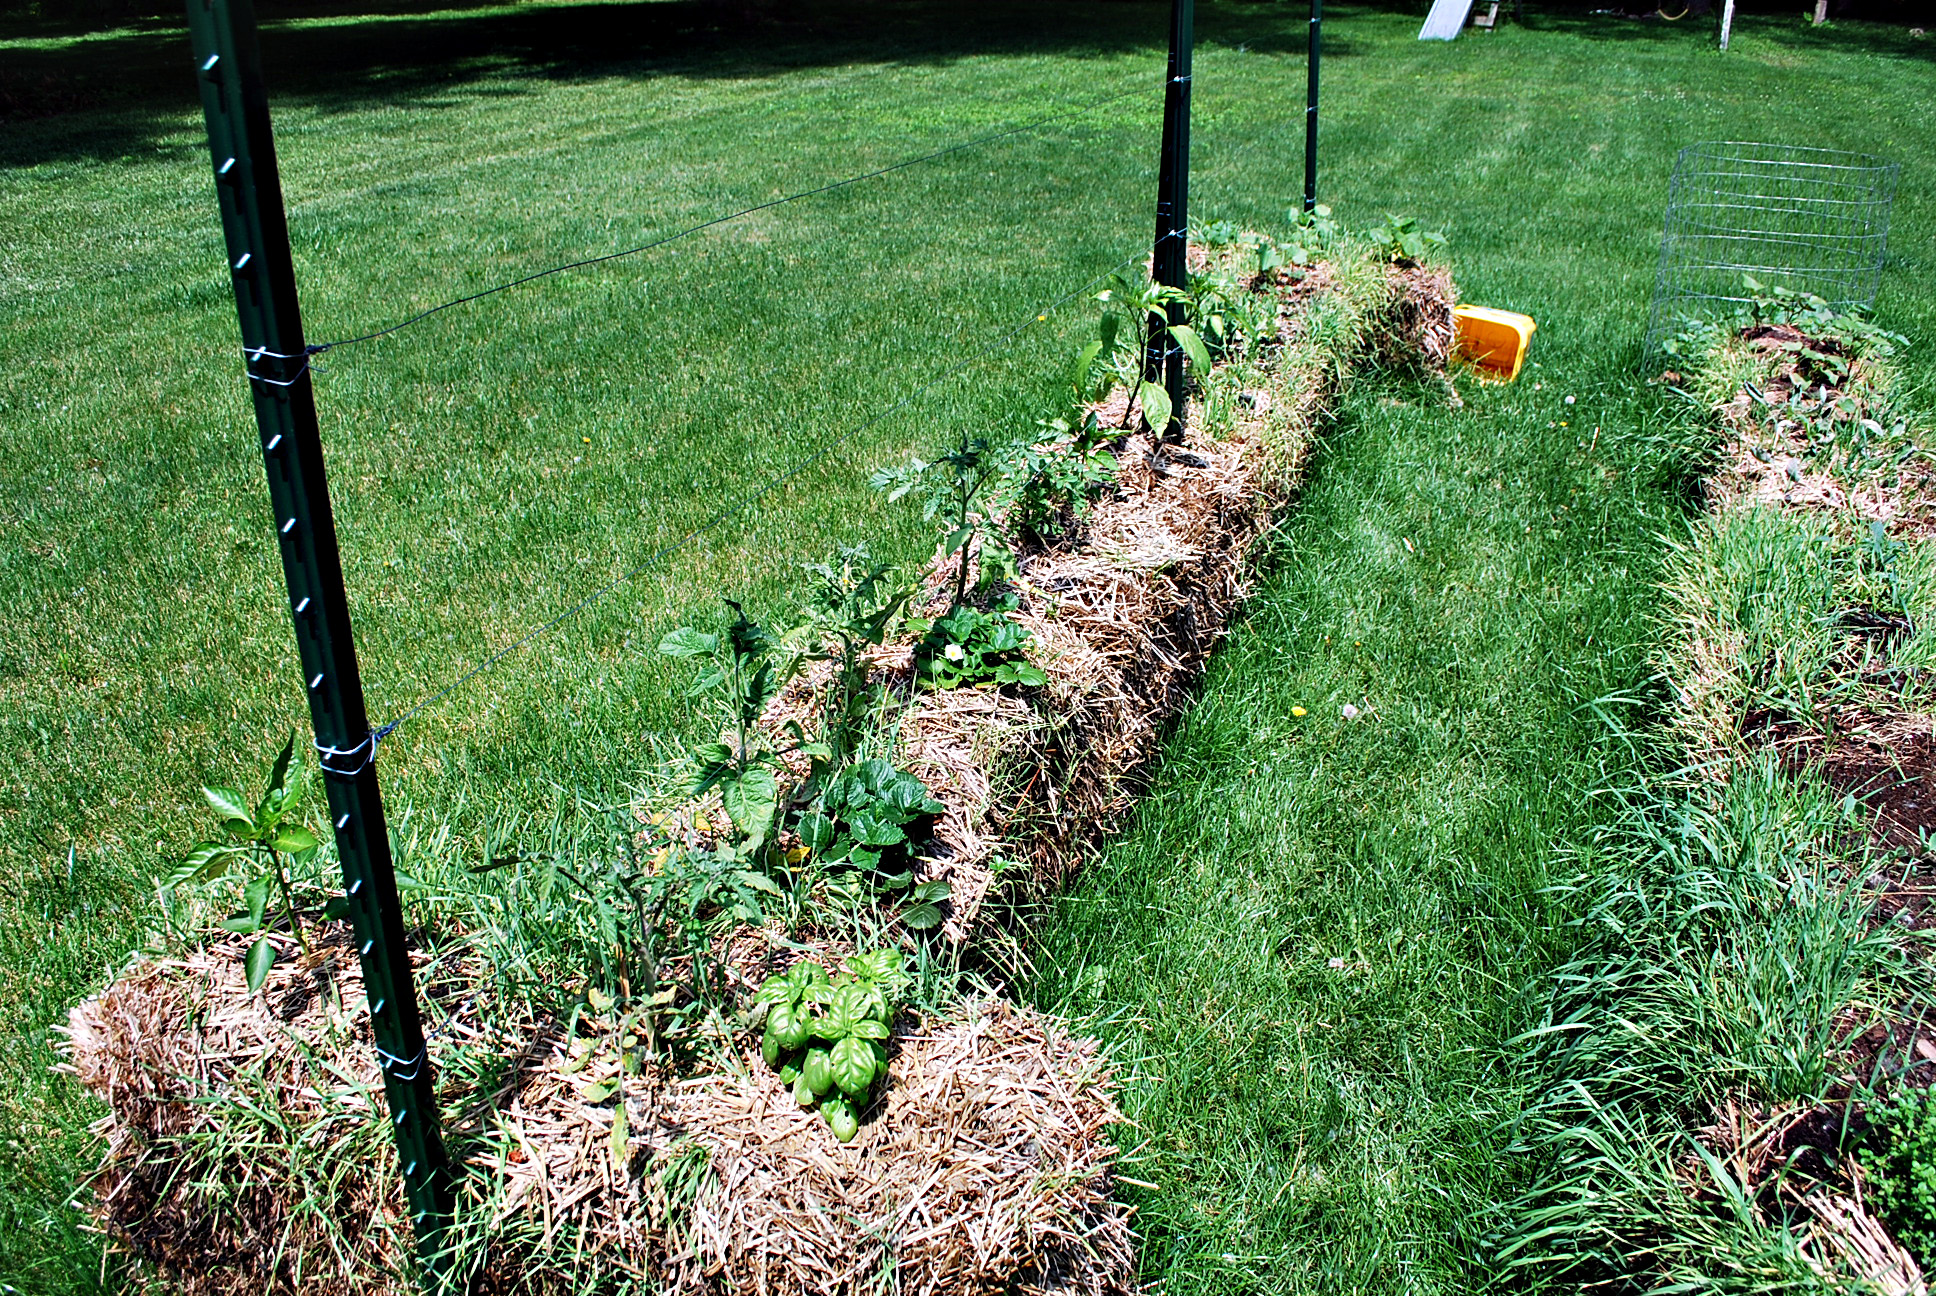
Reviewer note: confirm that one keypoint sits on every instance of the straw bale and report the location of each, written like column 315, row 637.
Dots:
column 983, row 1168
column 232, row 1119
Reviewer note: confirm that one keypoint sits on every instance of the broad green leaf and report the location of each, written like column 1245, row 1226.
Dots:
column 929, row 892
column 816, row 832
column 1085, row 364
column 1156, row 406
column 336, row 908
column 293, row 837
column 243, row 926
column 261, row 956
column 840, row 1119
column 599, row 1092
column 256, row 896
column 688, row 642
column 207, row 860
column 750, row 800
column 803, row 1092
column 274, row 795
column 759, row 882
column 852, row 1067
column 922, row 917
column 958, row 538
column 792, row 1024
column 818, row 1071
column 869, row 1029
column 1193, row 348
column 228, row 803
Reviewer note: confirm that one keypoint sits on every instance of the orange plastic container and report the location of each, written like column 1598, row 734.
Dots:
column 1493, row 341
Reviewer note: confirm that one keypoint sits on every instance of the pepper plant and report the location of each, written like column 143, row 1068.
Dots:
column 1135, row 313
column 826, row 1035
column 255, row 840
column 853, row 607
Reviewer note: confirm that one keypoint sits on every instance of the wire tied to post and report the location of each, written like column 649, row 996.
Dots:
column 391, row 1062
column 364, row 753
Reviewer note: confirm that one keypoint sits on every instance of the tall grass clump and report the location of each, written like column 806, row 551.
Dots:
column 1726, row 951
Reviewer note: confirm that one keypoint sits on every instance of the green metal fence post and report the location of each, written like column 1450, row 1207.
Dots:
column 228, row 66
column 1311, row 107
column 1162, row 356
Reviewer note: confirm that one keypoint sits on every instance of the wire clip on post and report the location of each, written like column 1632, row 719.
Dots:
column 1162, row 357
column 249, row 192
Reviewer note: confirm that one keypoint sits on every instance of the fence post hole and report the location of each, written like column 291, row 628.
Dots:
column 249, row 191
column 1162, row 357
column 1311, row 107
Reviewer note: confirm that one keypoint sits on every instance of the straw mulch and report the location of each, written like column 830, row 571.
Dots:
column 984, row 1168
column 1837, row 1236
column 1766, row 460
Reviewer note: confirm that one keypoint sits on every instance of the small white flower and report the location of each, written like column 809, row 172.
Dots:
column 1569, row 400
column 1336, row 964
column 953, row 652
column 1350, row 712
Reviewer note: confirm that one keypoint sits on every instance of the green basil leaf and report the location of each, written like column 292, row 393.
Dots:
column 852, row 1067
column 818, row 1071
column 840, row 1119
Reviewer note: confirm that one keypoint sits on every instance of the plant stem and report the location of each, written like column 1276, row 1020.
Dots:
column 288, row 900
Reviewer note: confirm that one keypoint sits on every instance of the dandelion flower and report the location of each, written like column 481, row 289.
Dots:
column 1298, row 712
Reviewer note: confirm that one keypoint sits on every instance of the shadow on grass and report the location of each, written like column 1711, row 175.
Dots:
column 64, row 97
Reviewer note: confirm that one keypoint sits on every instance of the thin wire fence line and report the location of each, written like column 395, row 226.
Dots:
column 317, row 348
column 368, row 747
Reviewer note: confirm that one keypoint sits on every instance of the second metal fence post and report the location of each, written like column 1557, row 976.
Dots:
column 1311, row 107
column 1163, row 357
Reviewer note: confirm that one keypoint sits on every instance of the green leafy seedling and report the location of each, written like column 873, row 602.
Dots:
column 255, row 841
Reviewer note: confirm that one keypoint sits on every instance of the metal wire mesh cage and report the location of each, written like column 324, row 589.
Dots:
column 1813, row 220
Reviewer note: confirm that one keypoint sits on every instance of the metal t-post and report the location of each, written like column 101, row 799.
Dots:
column 228, row 65
column 1162, row 355
column 1311, row 107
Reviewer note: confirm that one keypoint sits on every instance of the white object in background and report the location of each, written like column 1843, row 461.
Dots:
column 1727, row 22
column 1446, row 20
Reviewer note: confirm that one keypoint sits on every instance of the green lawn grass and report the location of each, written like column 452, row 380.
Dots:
column 1329, row 1129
